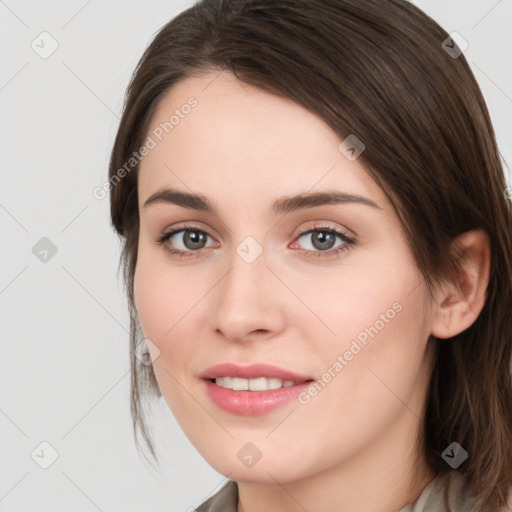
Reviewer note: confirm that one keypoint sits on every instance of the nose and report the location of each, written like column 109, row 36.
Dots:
column 248, row 303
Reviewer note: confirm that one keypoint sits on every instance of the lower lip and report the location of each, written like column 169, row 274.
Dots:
column 252, row 403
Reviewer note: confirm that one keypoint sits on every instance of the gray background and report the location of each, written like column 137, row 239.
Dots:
column 64, row 326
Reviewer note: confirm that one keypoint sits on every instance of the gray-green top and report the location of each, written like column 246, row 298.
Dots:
column 445, row 493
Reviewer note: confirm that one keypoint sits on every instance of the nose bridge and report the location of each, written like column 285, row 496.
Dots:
column 244, row 301
column 248, row 269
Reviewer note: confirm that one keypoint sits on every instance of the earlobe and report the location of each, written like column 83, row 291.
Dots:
column 459, row 302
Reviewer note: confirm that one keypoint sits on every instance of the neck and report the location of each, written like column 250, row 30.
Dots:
column 389, row 474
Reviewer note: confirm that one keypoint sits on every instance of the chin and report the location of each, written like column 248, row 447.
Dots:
column 266, row 470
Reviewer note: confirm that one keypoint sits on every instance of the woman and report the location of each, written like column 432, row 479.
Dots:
column 317, row 254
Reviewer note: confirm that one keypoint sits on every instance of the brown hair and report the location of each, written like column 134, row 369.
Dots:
column 376, row 69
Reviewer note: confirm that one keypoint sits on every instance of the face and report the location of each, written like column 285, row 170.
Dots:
column 326, row 293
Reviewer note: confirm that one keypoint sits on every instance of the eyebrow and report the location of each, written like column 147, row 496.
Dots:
column 284, row 205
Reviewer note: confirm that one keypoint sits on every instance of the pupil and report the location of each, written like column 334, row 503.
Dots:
column 194, row 239
column 323, row 240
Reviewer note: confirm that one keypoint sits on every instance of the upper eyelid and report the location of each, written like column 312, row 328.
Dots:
column 324, row 225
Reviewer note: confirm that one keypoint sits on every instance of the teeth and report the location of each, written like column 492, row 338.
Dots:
column 239, row 384
column 258, row 384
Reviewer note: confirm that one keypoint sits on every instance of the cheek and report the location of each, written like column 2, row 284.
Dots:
column 162, row 292
column 357, row 301
column 383, row 357
column 382, row 367
column 170, row 309
column 160, row 298
column 162, row 301
column 378, row 317
column 153, row 299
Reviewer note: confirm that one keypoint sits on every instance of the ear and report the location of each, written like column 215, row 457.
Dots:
column 459, row 302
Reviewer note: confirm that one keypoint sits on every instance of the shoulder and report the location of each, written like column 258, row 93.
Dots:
column 225, row 500
column 447, row 492
column 508, row 507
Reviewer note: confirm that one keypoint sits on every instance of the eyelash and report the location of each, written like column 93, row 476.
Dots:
column 348, row 241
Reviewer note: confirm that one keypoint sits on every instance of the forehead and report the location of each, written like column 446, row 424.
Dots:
column 216, row 135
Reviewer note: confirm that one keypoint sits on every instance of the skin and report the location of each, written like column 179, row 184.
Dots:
column 353, row 446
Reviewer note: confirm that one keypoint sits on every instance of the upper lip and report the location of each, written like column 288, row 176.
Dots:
column 252, row 372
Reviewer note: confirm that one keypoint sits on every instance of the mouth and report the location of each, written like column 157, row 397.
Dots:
column 252, row 390
column 253, row 372
column 257, row 384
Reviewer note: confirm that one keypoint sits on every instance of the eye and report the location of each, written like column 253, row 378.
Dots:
column 184, row 240
column 321, row 241
column 188, row 241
